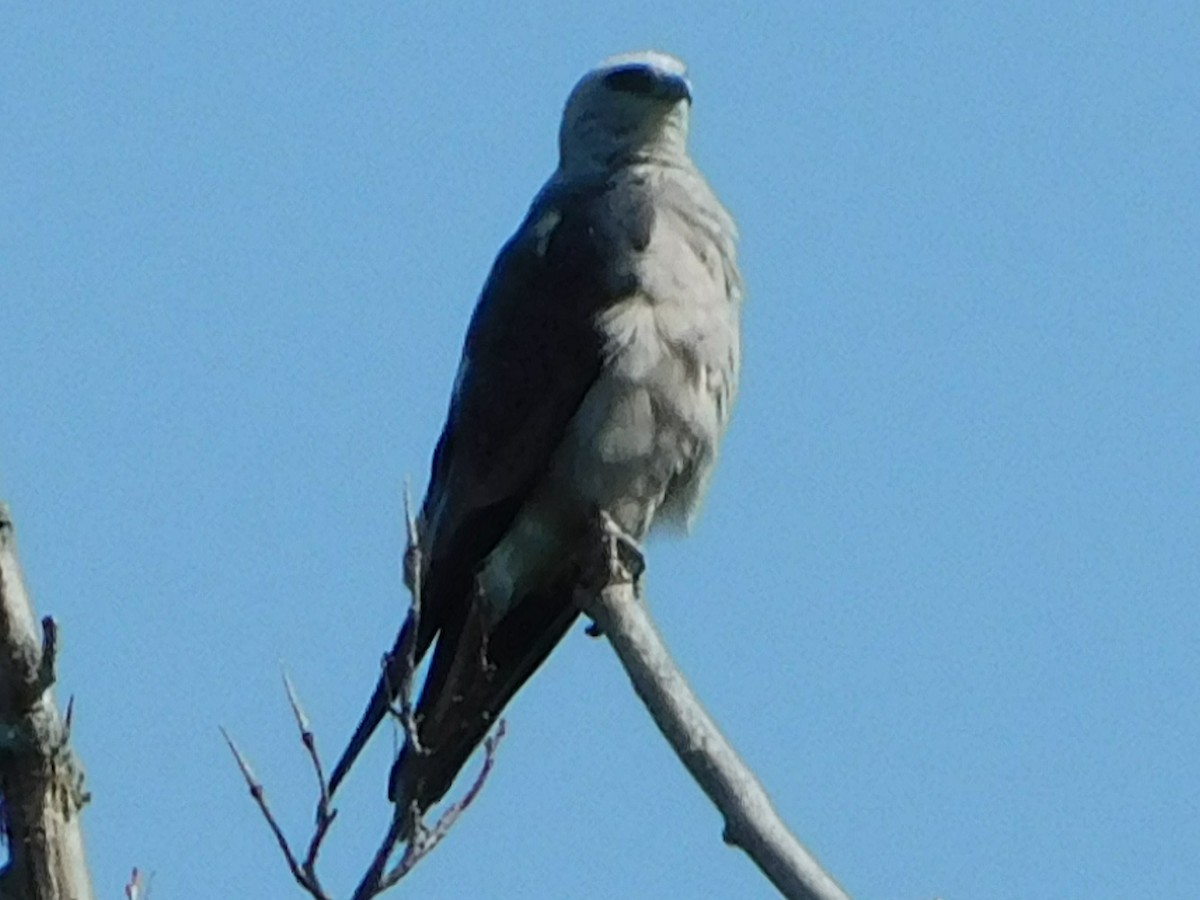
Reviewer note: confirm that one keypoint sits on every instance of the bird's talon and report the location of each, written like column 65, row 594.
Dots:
column 625, row 560
column 632, row 558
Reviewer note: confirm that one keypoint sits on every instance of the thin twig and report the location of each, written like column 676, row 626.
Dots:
column 306, row 736
column 48, row 665
column 256, row 791
column 423, row 842
column 406, row 826
column 325, row 815
column 414, row 565
column 370, row 884
column 139, row 885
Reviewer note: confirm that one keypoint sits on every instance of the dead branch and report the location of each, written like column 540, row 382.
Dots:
column 260, row 797
column 378, row 878
column 421, row 839
column 40, row 779
column 608, row 595
column 610, row 598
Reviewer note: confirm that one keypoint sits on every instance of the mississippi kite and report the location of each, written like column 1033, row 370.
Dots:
column 598, row 373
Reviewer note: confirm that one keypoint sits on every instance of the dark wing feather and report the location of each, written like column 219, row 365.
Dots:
column 481, row 672
column 532, row 351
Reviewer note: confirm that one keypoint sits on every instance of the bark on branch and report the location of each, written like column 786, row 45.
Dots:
column 610, row 598
column 40, row 780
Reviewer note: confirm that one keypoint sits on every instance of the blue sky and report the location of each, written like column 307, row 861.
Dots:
column 943, row 595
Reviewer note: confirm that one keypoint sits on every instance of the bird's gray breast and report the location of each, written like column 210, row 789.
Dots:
column 644, row 440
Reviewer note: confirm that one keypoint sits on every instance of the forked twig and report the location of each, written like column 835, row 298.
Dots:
column 406, row 826
column 256, row 791
column 423, row 841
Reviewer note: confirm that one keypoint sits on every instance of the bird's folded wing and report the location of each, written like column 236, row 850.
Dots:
column 533, row 349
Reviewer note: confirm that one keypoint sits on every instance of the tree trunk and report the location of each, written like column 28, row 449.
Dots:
column 40, row 780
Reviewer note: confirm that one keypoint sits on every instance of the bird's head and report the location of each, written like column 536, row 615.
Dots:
column 632, row 107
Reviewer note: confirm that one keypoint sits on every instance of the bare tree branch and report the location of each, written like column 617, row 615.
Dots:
column 406, row 827
column 608, row 595
column 378, row 878
column 40, row 779
column 312, row 886
column 325, row 814
column 421, row 839
column 610, row 598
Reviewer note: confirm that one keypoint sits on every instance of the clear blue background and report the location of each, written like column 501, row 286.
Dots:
column 944, row 593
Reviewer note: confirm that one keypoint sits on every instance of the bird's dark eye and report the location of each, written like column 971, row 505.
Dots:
column 632, row 80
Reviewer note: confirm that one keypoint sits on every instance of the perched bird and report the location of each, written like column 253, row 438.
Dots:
column 597, row 375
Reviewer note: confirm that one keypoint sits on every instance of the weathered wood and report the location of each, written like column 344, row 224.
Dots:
column 40, row 780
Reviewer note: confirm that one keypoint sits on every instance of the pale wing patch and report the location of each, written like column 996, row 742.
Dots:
column 531, row 545
column 543, row 230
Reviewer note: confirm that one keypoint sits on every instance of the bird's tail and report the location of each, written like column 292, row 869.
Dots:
column 385, row 692
column 474, row 673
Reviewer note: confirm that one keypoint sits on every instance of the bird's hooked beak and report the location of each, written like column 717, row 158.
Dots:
column 673, row 88
column 649, row 81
